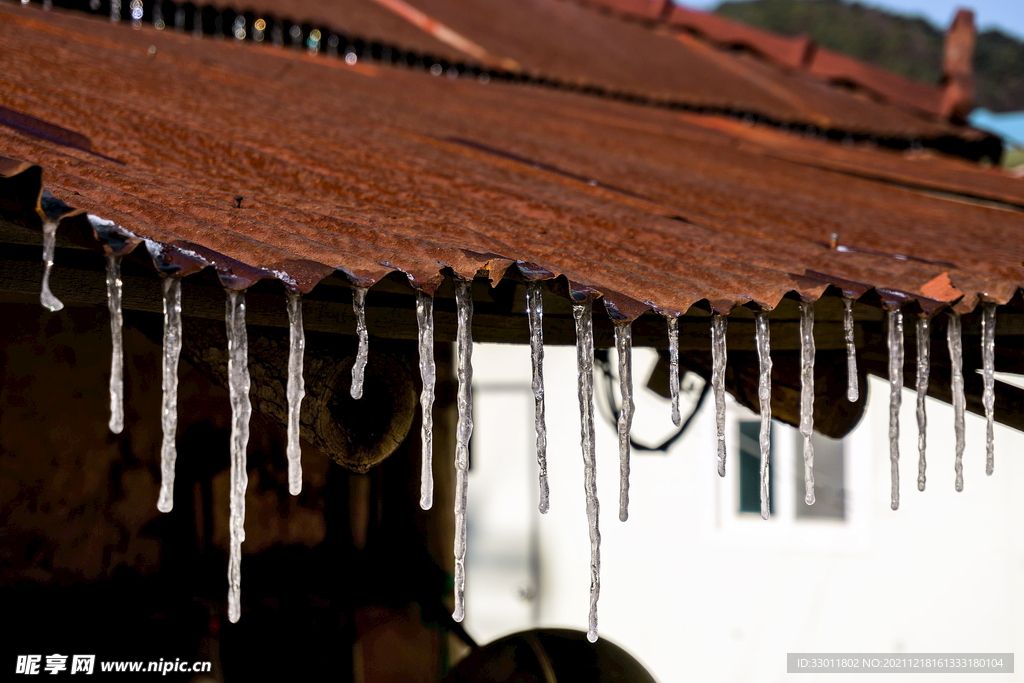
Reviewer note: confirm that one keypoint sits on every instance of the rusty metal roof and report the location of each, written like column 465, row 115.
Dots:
column 786, row 51
column 573, row 42
column 839, row 68
column 370, row 170
column 630, row 49
column 796, row 53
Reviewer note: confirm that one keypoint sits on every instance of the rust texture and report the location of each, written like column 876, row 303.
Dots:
column 366, row 171
column 798, row 53
column 642, row 51
column 573, row 42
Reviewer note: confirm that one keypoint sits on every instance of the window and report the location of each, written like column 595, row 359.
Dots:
column 839, row 521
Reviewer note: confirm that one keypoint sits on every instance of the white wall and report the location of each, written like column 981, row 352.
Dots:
column 698, row 592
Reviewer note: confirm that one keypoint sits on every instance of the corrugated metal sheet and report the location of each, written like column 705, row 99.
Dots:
column 639, row 48
column 786, row 51
column 838, row 68
column 801, row 53
column 563, row 39
column 371, row 170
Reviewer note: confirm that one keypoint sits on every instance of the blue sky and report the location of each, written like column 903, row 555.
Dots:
column 1007, row 15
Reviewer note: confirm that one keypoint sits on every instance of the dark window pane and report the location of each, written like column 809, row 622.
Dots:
column 750, row 468
column 829, row 489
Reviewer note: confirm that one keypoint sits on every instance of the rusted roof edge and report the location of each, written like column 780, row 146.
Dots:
column 178, row 259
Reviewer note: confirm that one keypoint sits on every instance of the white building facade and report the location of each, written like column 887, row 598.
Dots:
column 696, row 587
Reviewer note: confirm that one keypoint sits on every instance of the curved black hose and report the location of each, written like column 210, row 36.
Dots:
column 665, row 445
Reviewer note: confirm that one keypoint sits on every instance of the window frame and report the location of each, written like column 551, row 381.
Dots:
column 729, row 527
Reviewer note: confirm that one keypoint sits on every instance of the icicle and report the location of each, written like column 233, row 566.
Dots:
column 169, row 384
column 852, row 390
column 464, row 430
column 535, row 316
column 673, row 367
column 764, row 397
column 117, row 341
column 624, row 350
column 46, row 297
column 956, row 359
column 583, row 314
column 296, row 391
column 241, row 409
column 359, row 367
column 988, row 362
column 924, row 364
column 807, row 395
column 719, row 323
column 428, row 374
column 895, row 399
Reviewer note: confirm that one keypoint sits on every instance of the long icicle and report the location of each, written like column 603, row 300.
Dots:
column 852, row 388
column 988, row 364
column 924, row 365
column 764, row 397
column 241, row 410
column 117, row 344
column 46, row 297
column 719, row 324
column 535, row 318
column 583, row 314
column 169, row 385
column 359, row 367
column 673, row 367
column 428, row 377
column 895, row 399
column 464, row 430
column 296, row 391
column 624, row 350
column 807, row 395
column 956, row 358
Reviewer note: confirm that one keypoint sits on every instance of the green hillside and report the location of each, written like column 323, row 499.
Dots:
column 906, row 45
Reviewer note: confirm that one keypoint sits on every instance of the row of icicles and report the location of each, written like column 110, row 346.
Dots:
column 241, row 408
